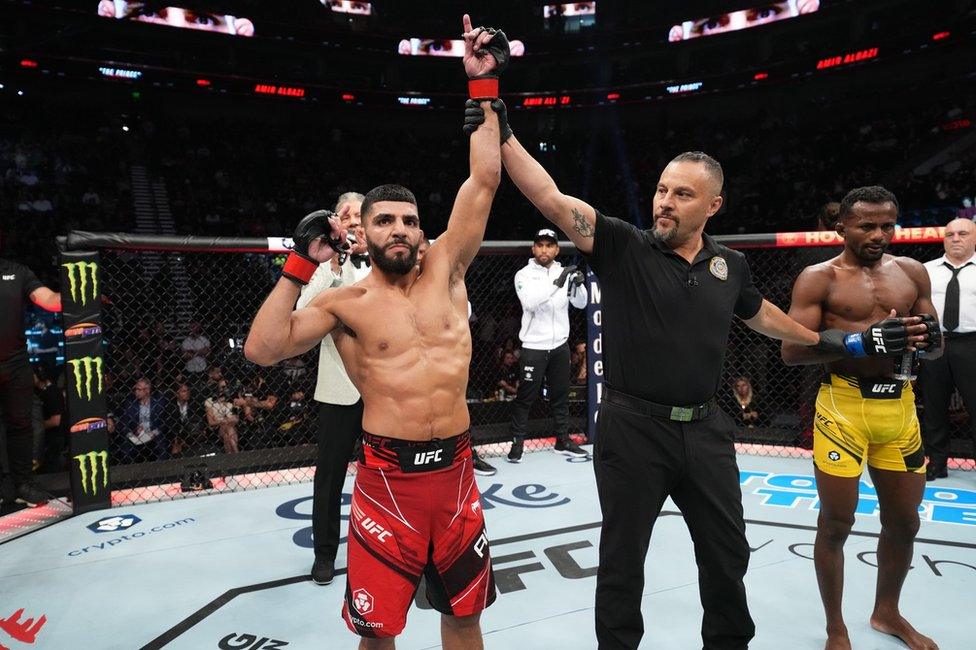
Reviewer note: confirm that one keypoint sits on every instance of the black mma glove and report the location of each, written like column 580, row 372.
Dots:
column 886, row 337
column 933, row 335
column 485, row 86
column 474, row 116
column 561, row 280
column 576, row 279
column 299, row 267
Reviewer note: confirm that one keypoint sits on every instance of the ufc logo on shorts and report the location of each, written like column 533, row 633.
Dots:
column 374, row 528
column 878, row 337
column 527, row 371
column 480, row 544
column 884, row 388
column 426, row 457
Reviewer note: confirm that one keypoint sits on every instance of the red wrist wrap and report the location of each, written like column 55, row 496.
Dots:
column 299, row 268
column 484, row 88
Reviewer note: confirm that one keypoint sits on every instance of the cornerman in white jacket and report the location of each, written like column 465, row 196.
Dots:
column 545, row 288
column 340, row 418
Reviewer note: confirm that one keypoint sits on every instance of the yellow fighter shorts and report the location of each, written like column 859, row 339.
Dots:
column 860, row 419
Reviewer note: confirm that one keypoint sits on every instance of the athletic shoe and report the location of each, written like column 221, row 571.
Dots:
column 481, row 468
column 323, row 571
column 932, row 473
column 515, row 453
column 30, row 495
column 570, row 448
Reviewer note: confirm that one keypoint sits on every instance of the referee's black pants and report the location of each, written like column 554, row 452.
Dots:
column 639, row 461
column 956, row 367
column 537, row 366
column 338, row 429
column 16, row 402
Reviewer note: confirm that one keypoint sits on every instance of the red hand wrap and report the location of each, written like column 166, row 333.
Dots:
column 299, row 268
column 483, row 88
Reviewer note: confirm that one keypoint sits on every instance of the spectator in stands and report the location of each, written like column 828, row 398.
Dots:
column 184, row 419
column 508, row 375
column 222, row 416
column 740, row 403
column 578, row 367
column 257, row 402
column 142, row 425
column 53, row 447
column 47, row 346
column 196, row 349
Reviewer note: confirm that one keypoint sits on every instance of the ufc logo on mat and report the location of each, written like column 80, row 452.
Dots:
column 427, row 457
column 884, row 388
column 374, row 528
column 879, row 343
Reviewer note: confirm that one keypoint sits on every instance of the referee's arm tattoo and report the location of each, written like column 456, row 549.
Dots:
column 581, row 225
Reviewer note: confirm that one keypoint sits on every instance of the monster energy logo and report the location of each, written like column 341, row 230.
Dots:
column 85, row 370
column 88, row 464
column 78, row 273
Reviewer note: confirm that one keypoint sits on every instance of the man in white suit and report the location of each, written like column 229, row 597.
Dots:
column 340, row 416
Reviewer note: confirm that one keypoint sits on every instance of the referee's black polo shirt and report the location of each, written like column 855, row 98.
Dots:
column 666, row 322
column 17, row 283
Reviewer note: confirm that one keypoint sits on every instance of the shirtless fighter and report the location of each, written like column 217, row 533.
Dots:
column 402, row 333
column 863, row 413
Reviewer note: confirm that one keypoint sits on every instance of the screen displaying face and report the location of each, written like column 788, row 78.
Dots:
column 570, row 9
column 445, row 47
column 176, row 17
column 731, row 21
column 349, row 7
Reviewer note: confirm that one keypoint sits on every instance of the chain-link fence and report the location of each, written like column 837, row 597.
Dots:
column 175, row 323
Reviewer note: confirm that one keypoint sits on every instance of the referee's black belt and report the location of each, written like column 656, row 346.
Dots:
column 647, row 407
column 958, row 336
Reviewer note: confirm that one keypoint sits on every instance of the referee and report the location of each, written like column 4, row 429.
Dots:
column 340, row 418
column 669, row 295
column 18, row 285
column 953, row 278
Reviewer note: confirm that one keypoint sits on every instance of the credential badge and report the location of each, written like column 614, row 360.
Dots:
column 719, row 268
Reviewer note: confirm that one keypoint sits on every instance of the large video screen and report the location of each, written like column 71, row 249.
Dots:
column 445, row 47
column 569, row 17
column 349, row 7
column 731, row 21
column 173, row 16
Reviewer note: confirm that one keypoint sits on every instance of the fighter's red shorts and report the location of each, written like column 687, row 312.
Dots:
column 416, row 511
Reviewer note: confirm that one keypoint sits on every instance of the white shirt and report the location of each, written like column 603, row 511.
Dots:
column 192, row 343
column 332, row 385
column 940, row 275
column 143, row 433
column 545, row 307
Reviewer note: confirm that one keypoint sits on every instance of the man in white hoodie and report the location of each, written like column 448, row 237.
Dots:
column 545, row 288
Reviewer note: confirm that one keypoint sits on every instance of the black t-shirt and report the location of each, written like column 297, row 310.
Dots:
column 666, row 322
column 17, row 282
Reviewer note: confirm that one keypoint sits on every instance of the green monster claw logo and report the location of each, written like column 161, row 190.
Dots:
column 85, row 370
column 78, row 273
column 89, row 463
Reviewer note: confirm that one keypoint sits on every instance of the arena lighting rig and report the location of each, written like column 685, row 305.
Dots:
column 168, row 78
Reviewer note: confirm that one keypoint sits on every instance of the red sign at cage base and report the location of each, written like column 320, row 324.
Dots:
column 831, row 238
column 850, row 57
column 26, row 631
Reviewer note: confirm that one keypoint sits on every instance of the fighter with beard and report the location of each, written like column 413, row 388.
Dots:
column 402, row 333
column 863, row 413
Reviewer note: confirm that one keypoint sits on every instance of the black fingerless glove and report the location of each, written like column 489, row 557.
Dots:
column 886, row 337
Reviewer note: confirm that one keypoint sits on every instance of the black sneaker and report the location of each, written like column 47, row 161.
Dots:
column 515, row 453
column 323, row 571
column 30, row 495
column 482, row 468
column 570, row 448
column 932, row 473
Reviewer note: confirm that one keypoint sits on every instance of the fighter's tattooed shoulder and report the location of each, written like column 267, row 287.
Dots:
column 581, row 225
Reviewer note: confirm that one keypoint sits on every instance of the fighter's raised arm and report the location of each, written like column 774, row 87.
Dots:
column 278, row 332
column 485, row 55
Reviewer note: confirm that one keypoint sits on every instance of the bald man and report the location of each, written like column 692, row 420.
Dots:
column 953, row 278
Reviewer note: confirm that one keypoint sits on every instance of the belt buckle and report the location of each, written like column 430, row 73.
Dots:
column 681, row 413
